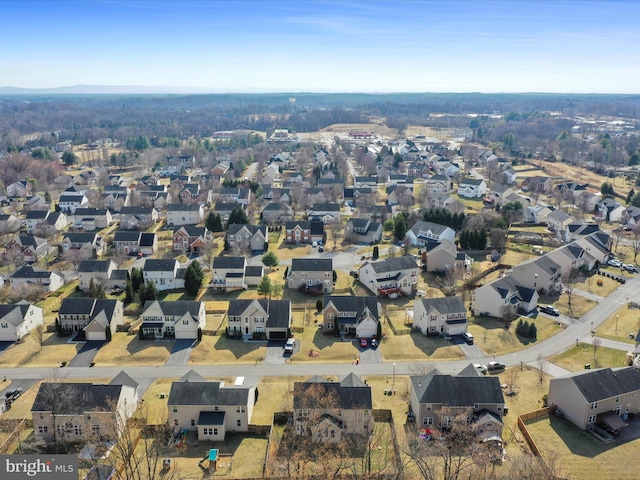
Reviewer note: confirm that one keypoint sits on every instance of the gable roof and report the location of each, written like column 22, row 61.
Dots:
column 392, row 264
column 444, row 305
column 311, row 265
column 160, row 265
column 94, row 266
column 457, row 391
column 176, row 308
column 605, row 383
column 358, row 304
column 229, row 262
column 207, row 394
column 87, row 397
column 278, row 311
column 350, row 393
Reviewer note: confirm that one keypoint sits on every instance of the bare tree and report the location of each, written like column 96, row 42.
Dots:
column 635, row 242
column 512, row 377
column 596, row 342
column 336, row 231
column 569, row 281
column 38, row 336
column 541, row 365
column 498, row 237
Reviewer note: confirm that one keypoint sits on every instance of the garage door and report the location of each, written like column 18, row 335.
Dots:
column 457, row 329
column 278, row 335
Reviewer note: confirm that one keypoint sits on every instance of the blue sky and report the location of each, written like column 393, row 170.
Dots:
column 324, row 46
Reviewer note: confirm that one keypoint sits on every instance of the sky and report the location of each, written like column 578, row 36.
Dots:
column 324, row 46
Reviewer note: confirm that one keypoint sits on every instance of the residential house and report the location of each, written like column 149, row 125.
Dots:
column 98, row 412
column 610, row 210
column 31, row 248
column 375, row 213
column 631, row 216
column 92, row 316
column 219, row 171
column 277, row 213
column 439, row 184
column 36, row 202
column 332, row 412
column 326, row 212
column 259, row 317
column 49, row 281
column 190, row 238
column 18, row 319
column 439, row 256
column 304, row 231
column 54, row 223
column 446, row 167
column 437, row 399
column 114, row 201
column 224, row 209
column 228, row 273
column 179, row 164
column 9, row 224
column 537, row 213
column 178, row 319
column 68, row 203
column 84, row 245
column 21, row 188
column 499, row 193
column 397, row 179
column 587, row 201
column 503, row 297
column 558, row 220
column 472, row 188
column 190, row 194
column 364, row 181
column 591, row 399
column 141, row 218
column 315, row 274
column 33, row 218
column 166, row 274
column 537, row 184
column 570, row 189
column 363, row 231
column 390, row 277
column 541, row 274
column 351, row 316
column 247, row 237
column 179, row 214
column 96, row 270
column 443, row 200
column 577, row 230
column 444, row 316
column 400, row 195
column 510, row 176
column 99, row 218
column 423, row 232
column 210, row 408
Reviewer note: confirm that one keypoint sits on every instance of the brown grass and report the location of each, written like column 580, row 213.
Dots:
column 127, row 349
column 223, row 350
column 575, row 358
column 27, row 353
column 621, row 328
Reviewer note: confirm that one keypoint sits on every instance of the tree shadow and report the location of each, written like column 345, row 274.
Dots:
column 137, row 346
column 237, row 346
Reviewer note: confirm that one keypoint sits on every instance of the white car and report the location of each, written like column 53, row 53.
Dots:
column 481, row 368
column 314, row 244
column 614, row 262
column 289, row 346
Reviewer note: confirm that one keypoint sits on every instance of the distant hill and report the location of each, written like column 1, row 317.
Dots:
column 103, row 89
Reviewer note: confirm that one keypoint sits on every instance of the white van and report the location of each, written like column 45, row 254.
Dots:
column 468, row 337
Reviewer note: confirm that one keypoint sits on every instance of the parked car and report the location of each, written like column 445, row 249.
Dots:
column 374, row 343
column 353, row 273
column 289, row 346
column 364, row 343
column 495, row 366
column 614, row 262
column 549, row 310
column 314, row 244
column 468, row 337
column 630, row 268
column 481, row 368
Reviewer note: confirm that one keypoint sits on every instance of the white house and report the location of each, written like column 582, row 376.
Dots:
column 179, row 214
column 423, row 232
column 179, row 319
column 472, row 188
column 440, row 316
column 16, row 320
column 390, row 277
column 166, row 274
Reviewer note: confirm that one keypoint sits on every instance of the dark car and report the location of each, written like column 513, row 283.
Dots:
column 495, row 366
column 549, row 310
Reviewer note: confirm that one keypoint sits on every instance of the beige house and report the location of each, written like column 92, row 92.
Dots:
column 313, row 273
column 597, row 397
column 440, row 316
column 179, row 319
column 93, row 316
column 390, row 277
column 96, row 270
column 243, row 237
column 259, row 317
column 332, row 411
column 209, row 408
column 229, row 273
column 83, row 411
column 439, row 184
column 541, row 274
column 351, row 316
column 437, row 399
column 439, row 256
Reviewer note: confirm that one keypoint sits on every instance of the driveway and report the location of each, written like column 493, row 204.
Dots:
column 275, row 352
column 370, row 355
column 470, row 351
column 180, row 353
column 86, row 354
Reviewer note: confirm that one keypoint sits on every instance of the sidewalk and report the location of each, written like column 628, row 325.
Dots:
column 551, row 368
column 588, row 295
column 605, row 342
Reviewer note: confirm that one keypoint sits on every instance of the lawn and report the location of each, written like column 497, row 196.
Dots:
column 28, row 353
column 591, row 285
column 276, row 395
column 125, row 349
column 580, row 305
column 575, row 358
column 223, row 350
column 325, row 348
column 417, row 347
column 621, row 325
column 491, row 336
column 579, row 455
column 153, row 409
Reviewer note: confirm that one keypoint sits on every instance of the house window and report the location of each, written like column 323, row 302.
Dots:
column 329, row 325
column 43, row 429
column 175, row 409
column 592, row 419
column 185, row 322
column 427, row 421
column 241, row 409
column 41, row 416
column 4, row 325
column 594, row 405
column 193, row 422
column 617, row 399
column 330, row 316
column 239, row 422
column 175, row 422
column 215, row 431
column 215, row 408
column 95, row 429
column 476, row 406
column 77, row 429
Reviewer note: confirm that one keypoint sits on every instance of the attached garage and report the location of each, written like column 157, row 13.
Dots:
column 456, row 327
column 277, row 334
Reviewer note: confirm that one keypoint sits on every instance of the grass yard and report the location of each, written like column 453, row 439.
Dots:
column 512, row 257
column 575, row 358
column 153, row 409
column 418, row 347
column 329, row 349
column 491, row 336
column 125, row 349
column 28, row 353
column 276, row 395
column 21, row 408
column 222, row 350
column 621, row 325
column 591, row 285
column 579, row 455
column 580, row 305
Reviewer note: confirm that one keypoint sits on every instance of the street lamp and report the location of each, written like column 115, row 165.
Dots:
column 393, row 383
column 617, row 317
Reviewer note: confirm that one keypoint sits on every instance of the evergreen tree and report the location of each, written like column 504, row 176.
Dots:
column 264, row 287
column 533, row 331
column 519, row 326
column 376, row 253
column 137, row 279
column 630, row 196
column 107, row 333
column 400, row 227
column 270, row 259
column 69, row 158
column 379, row 331
column 214, row 222
column 193, row 278
column 319, row 305
column 148, row 292
column 238, row 215
column 128, row 293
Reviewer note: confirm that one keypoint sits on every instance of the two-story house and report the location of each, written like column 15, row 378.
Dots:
column 210, row 408
column 98, row 218
column 141, row 218
column 597, row 397
column 9, row 224
column 311, row 274
column 277, row 212
column 541, row 274
column 190, row 238
column 326, row 212
column 96, row 270
column 351, row 316
column 247, row 237
column 502, row 297
column 49, row 281
column 444, row 316
column 472, row 188
column 70, row 202
column 18, row 319
column 259, row 317
column 33, row 218
column 132, row 242
column 179, row 319
column 179, row 214
column 364, row 231
column 31, row 248
column 165, row 273
column 21, row 188
column 91, row 316
column 439, row 184
column 423, row 232
column 304, row 232
column 437, row 399
column 439, row 257
column 537, row 213
column 87, row 245
column 81, row 412
column 390, row 277
column 330, row 411
column 400, row 195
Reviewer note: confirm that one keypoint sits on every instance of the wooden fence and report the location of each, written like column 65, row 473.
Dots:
column 522, row 426
column 15, row 432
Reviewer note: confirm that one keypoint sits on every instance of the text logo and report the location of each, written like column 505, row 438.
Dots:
column 20, row 467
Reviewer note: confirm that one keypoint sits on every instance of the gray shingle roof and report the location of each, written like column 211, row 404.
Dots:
column 392, row 264
column 278, row 310
column 444, row 305
column 86, row 397
column 606, row 383
column 352, row 393
column 353, row 304
column 457, row 391
column 93, row 266
column 207, row 394
column 311, row 265
column 229, row 262
column 159, row 265
column 176, row 308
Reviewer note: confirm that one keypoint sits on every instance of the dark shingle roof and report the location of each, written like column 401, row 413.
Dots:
column 353, row 304
column 183, row 207
column 606, row 383
column 206, row 394
column 311, row 264
column 86, row 397
column 392, row 264
column 176, row 308
column 351, row 393
column 444, row 305
column 229, row 262
column 254, row 271
column 87, row 266
column 159, row 265
column 278, row 310
column 457, row 391
column 126, row 236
